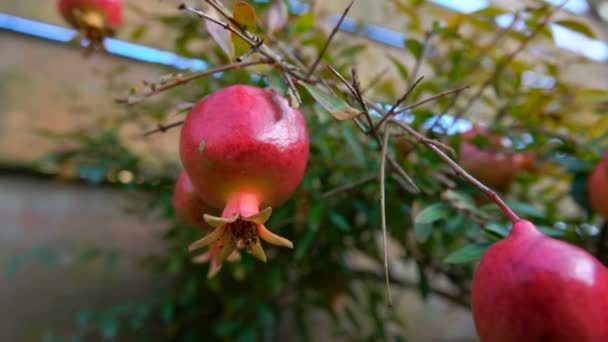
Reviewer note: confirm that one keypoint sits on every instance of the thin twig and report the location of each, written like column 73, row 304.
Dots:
column 164, row 128
column 429, row 99
column 135, row 98
column 315, row 64
column 412, row 187
column 348, row 187
column 427, row 37
column 372, row 83
column 399, row 102
column 356, row 93
column 359, row 97
column 383, row 213
column 511, row 215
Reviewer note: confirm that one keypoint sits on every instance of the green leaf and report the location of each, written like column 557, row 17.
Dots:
column 305, row 23
column 414, row 47
column 339, row 221
column 401, row 68
column 592, row 96
column 468, row 253
column 552, row 232
column 423, row 231
column 525, row 208
column 354, row 144
column 431, row 214
column 576, row 26
column 498, row 229
column 490, row 11
column 337, row 107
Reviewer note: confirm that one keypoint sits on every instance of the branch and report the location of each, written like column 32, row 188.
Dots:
column 164, row 128
column 348, row 187
column 511, row 215
column 383, row 214
column 418, row 62
column 136, row 98
column 328, row 41
column 399, row 102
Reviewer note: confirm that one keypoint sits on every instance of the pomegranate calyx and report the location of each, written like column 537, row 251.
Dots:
column 238, row 231
column 90, row 19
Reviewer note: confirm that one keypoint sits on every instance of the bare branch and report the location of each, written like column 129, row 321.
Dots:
column 313, row 68
column 461, row 172
column 164, row 128
column 383, row 213
column 399, row 102
column 136, row 98
column 427, row 37
column 372, row 83
column 349, row 187
column 429, row 99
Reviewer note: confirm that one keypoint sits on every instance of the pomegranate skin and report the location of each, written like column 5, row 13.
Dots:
column 244, row 139
column 188, row 205
column 496, row 167
column 244, row 148
column 111, row 10
column 529, row 287
column 597, row 186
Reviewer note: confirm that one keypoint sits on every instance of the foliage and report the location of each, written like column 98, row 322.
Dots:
column 442, row 229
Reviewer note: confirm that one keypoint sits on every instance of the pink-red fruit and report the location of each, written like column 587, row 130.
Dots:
column 244, row 148
column 597, row 186
column 494, row 165
column 94, row 19
column 529, row 287
column 188, row 205
column 189, row 208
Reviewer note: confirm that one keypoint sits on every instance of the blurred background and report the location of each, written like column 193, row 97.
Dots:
column 71, row 242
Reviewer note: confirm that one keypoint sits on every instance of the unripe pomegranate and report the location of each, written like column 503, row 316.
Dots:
column 597, row 186
column 244, row 148
column 95, row 19
column 494, row 166
column 189, row 208
column 529, row 287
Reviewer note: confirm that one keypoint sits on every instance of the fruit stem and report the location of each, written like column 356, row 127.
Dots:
column 509, row 213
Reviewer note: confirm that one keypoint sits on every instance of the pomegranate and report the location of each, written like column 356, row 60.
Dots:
column 597, row 186
column 494, row 166
column 189, row 209
column 529, row 287
column 95, row 19
column 188, row 205
column 244, row 148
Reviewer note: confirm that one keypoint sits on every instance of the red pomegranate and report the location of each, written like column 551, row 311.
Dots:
column 188, row 205
column 495, row 166
column 597, row 186
column 529, row 287
column 244, row 148
column 95, row 19
column 190, row 209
